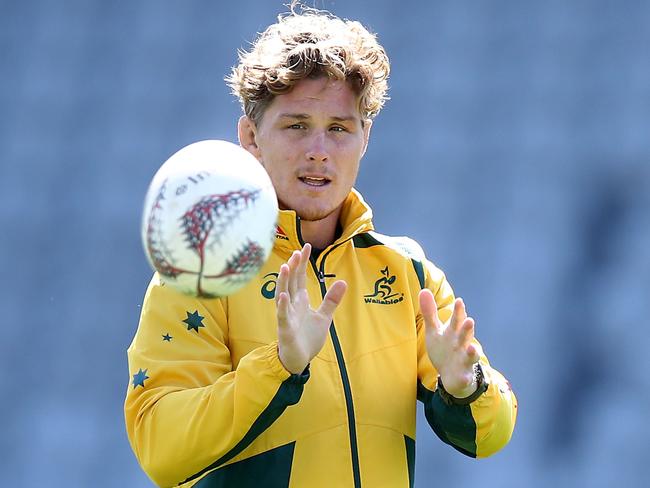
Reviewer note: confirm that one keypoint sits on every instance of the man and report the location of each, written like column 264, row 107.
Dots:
column 261, row 389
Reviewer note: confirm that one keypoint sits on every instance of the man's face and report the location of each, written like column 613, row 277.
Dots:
column 311, row 141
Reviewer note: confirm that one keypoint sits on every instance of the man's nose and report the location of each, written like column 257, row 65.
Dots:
column 317, row 149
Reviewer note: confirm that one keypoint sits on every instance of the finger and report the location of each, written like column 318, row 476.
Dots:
column 458, row 316
column 301, row 278
column 473, row 354
column 429, row 309
column 332, row 298
column 281, row 285
column 466, row 332
column 283, row 310
column 293, row 263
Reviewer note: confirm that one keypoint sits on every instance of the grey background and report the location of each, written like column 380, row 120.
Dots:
column 515, row 149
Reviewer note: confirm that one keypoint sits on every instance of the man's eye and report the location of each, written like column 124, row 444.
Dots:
column 338, row 128
column 296, row 126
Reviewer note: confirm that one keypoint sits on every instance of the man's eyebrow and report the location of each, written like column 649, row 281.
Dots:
column 344, row 118
column 294, row 116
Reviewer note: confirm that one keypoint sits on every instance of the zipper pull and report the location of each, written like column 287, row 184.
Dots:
column 322, row 276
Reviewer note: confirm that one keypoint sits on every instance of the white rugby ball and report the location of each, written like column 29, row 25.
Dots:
column 209, row 219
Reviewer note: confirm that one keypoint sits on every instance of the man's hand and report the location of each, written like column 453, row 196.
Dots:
column 450, row 346
column 301, row 330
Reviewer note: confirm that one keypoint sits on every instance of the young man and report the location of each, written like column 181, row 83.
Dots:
column 309, row 376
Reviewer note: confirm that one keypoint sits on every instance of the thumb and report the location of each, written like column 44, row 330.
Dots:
column 429, row 310
column 332, row 298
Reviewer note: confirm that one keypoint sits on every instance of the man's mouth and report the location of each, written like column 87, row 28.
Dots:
column 314, row 180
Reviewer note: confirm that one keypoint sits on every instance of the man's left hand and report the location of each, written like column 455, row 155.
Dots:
column 450, row 345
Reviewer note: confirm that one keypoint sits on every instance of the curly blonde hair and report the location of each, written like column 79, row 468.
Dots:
column 311, row 43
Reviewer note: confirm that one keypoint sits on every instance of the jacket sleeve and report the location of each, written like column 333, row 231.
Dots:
column 482, row 427
column 187, row 410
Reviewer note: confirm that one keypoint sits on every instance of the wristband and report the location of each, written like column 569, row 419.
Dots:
column 481, row 387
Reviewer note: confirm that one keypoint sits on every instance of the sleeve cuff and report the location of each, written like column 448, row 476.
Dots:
column 482, row 386
column 278, row 370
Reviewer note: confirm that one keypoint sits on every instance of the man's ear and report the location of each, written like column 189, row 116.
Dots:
column 247, row 133
column 367, row 124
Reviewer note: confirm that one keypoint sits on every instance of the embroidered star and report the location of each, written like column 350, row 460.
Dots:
column 167, row 337
column 139, row 377
column 194, row 321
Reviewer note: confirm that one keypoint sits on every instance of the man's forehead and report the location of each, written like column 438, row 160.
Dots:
column 320, row 90
column 311, row 98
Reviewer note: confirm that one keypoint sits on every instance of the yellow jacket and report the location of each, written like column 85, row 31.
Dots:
column 209, row 404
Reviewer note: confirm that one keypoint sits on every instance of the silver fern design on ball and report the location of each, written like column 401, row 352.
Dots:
column 213, row 214
column 210, row 216
column 240, row 267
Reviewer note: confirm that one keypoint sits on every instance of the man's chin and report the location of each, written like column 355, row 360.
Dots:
column 314, row 215
column 311, row 213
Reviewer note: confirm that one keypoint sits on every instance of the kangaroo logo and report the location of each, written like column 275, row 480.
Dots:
column 383, row 293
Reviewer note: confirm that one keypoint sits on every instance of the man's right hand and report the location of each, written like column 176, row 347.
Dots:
column 302, row 331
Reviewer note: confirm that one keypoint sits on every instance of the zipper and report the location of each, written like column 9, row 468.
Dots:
column 322, row 276
column 347, row 390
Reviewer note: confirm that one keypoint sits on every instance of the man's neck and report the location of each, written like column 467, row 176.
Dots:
column 320, row 233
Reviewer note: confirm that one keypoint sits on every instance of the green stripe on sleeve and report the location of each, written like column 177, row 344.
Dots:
column 271, row 469
column 288, row 394
column 453, row 424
